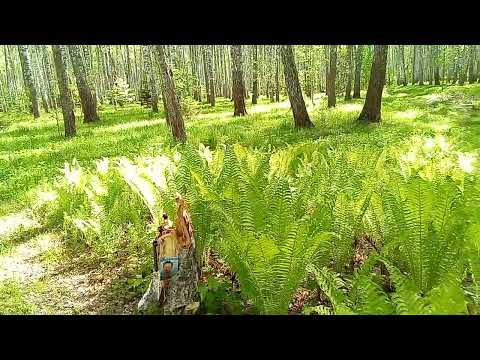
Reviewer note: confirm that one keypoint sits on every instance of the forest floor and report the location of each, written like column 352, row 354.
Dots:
column 39, row 274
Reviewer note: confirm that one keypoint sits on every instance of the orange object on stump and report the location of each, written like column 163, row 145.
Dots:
column 175, row 282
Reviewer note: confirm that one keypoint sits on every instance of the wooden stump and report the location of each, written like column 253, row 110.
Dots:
column 176, row 293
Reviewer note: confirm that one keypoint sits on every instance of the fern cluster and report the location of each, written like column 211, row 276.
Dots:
column 276, row 216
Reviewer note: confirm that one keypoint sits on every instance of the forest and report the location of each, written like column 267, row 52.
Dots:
column 266, row 179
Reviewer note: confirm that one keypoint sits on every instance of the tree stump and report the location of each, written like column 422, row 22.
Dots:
column 174, row 285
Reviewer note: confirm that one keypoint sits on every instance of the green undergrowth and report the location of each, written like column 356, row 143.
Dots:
column 284, row 208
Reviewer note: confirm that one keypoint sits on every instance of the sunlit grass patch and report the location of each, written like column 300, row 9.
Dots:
column 407, row 115
column 13, row 299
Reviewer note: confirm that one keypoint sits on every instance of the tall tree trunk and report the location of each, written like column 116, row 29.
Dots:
column 471, row 64
column 147, row 67
column 414, row 64
column 211, row 75
column 398, row 71
column 65, row 98
column 327, row 57
column 41, row 84
column 237, row 81
column 255, row 76
column 332, row 74
column 171, row 100
column 371, row 111
column 128, row 65
column 226, row 86
column 402, row 65
column 420, row 64
column 348, row 88
column 277, row 80
column 300, row 114
column 86, row 98
column 455, row 72
column 48, row 75
column 197, row 94
column 462, row 73
column 436, row 71
column 205, row 71
column 358, row 72
column 28, row 78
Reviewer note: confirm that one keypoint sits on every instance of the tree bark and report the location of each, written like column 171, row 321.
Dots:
column 255, row 76
column 205, row 72
column 403, row 73
column 238, row 87
column 371, row 111
column 48, row 75
column 332, row 74
column 89, row 108
column 348, row 88
column 471, row 64
column 39, row 75
column 150, row 77
column 436, row 71
column 414, row 60
column 211, row 76
column 358, row 71
column 420, row 64
column 277, row 80
column 173, row 105
column 28, row 78
column 65, row 98
column 462, row 68
column 300, row 114
column 197, row 93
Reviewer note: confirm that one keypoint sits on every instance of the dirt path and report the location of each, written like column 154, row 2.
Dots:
column 50, row 283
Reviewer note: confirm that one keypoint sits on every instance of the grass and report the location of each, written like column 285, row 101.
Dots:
column 34, row 152
column 13, row 299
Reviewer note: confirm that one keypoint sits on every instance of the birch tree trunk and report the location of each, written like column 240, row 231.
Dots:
column 348, row 88
column 277, row 77
column 436, row 60
column 28, row 78
column 255, row 76
column 332, row 74
column 48, row 75
column 371, row 111
column 65, row 98
column 87, row 101
column 414, row 75
column 462, row 68
column 358, row 72
column 401, row 52
column 300, row 114
column 420, row 64
column 150, row 77
column 171, row 101
column 210, row 80
column 471, row 64
column 237, row 81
